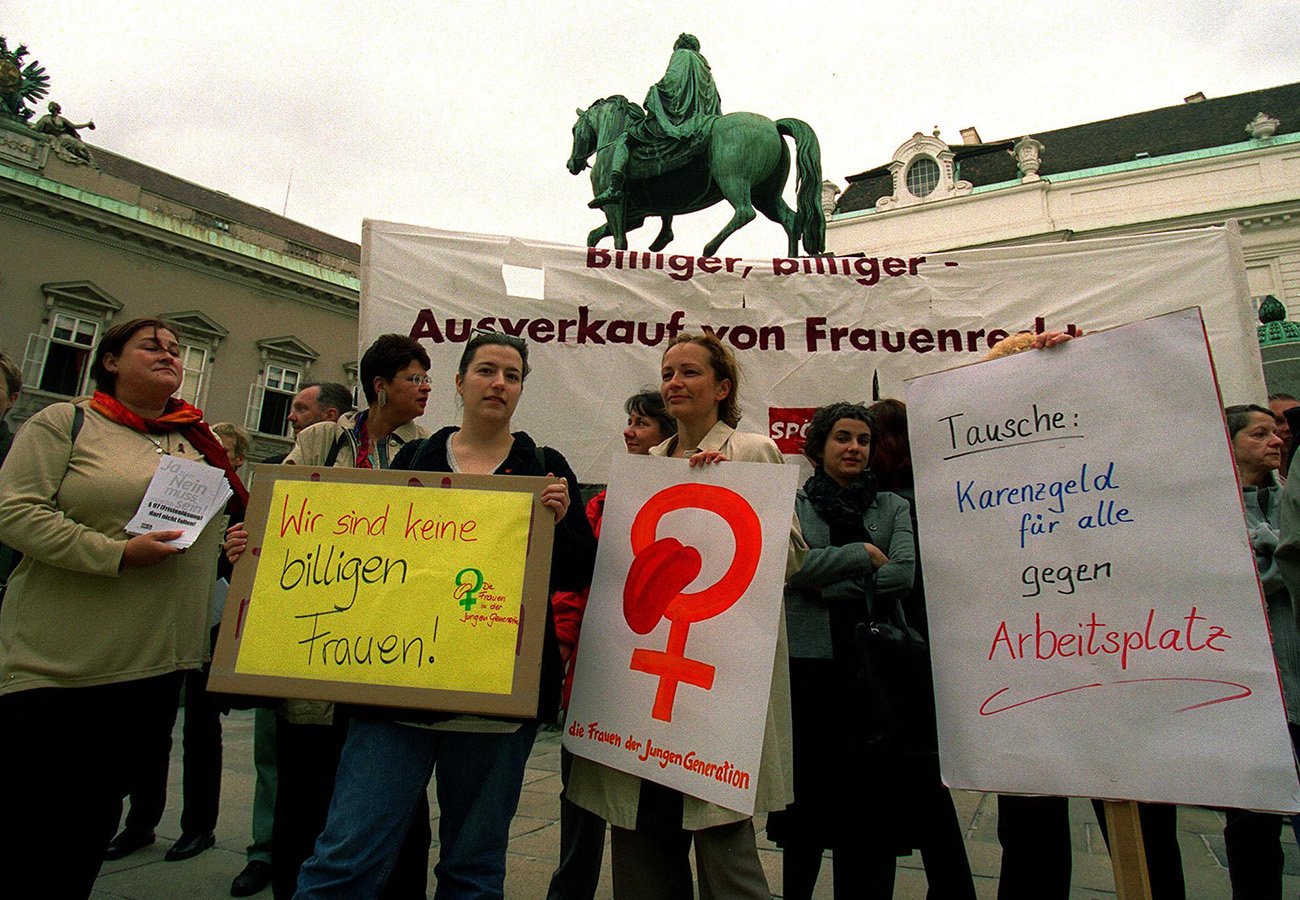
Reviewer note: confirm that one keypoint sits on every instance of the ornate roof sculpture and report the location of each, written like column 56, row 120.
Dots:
column 1274, row 329
column 20, row 85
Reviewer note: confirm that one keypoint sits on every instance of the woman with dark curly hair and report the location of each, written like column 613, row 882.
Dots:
column 858, row 569
column 309, row 735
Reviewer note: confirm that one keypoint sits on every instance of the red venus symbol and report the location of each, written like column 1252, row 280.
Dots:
column 661, row 570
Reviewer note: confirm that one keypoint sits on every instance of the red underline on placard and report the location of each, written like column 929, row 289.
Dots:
column 1064, row 437
column 1245, row 692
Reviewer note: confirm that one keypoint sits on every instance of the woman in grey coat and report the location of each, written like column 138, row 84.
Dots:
column 859, row 567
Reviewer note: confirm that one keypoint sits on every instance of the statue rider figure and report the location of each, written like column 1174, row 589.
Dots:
column 679, row 114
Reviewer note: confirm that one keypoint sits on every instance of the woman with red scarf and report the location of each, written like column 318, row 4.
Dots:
column 97, row 625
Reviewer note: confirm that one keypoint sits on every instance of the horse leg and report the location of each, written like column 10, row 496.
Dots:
column 599, row 234
column 744, row 150
column 736, row 190
column 768, row 200
column 775, row 208
column 665, row 235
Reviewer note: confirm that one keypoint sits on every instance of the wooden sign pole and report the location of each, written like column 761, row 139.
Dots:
column 1128, row 855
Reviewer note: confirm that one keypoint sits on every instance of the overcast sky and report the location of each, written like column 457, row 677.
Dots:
column 457, row 115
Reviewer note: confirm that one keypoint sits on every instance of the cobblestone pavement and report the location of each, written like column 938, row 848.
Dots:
column 535, row 840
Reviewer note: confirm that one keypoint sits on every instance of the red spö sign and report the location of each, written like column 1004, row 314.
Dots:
column 787, row 425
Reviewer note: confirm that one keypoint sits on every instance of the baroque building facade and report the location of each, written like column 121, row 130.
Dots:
column 264, row 303
column 1202, row 162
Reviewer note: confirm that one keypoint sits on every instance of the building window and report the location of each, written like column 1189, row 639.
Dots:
column 922, row 177
column 285, row 364
column 922, row 171
column 59, row 362
column 200, row 337
column 195, row 362
column 278, row 390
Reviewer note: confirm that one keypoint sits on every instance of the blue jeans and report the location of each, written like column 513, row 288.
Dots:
column 383, row 771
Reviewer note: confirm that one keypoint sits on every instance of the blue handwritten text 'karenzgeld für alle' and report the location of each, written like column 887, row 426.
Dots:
column 972, row 497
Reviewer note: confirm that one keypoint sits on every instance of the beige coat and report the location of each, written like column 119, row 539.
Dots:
column 314, row 442
column 614, row 795
column 70, row 617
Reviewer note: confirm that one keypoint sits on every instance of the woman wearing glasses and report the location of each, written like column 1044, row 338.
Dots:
column 390, row 755
column 308, row 739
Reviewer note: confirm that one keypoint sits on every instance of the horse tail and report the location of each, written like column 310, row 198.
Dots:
column 809, row 219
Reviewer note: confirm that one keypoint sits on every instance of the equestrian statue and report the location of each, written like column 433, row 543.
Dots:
column 681, row 154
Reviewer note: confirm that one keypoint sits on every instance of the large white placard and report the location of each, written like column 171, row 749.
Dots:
column 678, row 640
column 1096, row 622
column 806, row 331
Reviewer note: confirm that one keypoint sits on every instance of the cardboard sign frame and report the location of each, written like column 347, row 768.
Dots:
column 521, row 702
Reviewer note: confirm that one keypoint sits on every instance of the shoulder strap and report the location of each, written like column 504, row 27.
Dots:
column 336, row 449
column 78, row 419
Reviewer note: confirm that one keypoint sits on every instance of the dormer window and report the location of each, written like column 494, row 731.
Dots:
column 923, row 172
column 922, row 177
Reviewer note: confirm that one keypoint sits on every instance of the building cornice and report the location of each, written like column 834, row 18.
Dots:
column 1136, row 165
column 1258, row 187
column 105, row 220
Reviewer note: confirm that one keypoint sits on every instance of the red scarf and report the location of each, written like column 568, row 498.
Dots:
column 364, row 445
column 188, row 420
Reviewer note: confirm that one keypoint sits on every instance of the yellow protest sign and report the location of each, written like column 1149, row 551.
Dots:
column 360, row 586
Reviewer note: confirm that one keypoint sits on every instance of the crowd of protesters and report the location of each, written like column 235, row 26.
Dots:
column 104, row 634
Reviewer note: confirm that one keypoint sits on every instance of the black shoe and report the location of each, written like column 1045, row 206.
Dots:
column 253, row 880
column 126, row 843
column 190, row 845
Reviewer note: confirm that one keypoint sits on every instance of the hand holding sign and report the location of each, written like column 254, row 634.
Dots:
column 1119, row 659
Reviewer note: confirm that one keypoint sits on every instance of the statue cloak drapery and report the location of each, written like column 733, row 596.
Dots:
column 680, row 111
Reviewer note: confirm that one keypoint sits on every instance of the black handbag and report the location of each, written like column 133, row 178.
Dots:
column 894, row 676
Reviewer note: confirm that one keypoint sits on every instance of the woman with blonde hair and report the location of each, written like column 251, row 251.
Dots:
column 653, row 827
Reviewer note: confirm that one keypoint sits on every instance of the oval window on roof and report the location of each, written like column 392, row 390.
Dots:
column 922, row 176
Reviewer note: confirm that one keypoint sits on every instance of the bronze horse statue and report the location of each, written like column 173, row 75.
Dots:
column 746, row 163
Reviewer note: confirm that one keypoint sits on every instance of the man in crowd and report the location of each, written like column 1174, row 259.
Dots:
column 318, row 401
column 322, row 401
column 1279, row 404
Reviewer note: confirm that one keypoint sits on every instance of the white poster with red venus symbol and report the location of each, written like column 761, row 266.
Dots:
column 677, row 646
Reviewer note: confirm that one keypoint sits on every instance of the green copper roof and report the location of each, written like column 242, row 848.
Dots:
column 181, row 227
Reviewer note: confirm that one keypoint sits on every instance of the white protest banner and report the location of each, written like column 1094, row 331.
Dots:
column 806, row 331
column 1095, row 616
column 678, row 640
